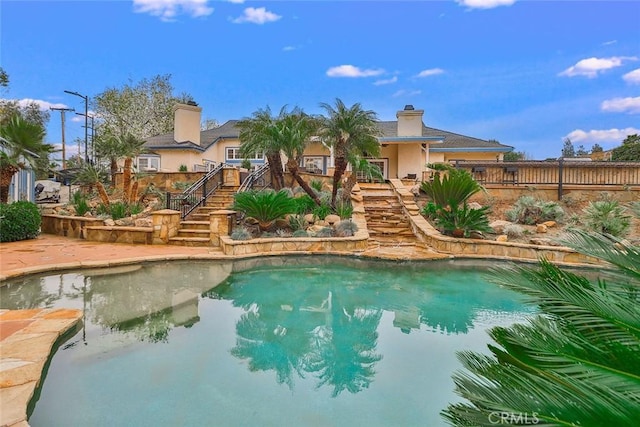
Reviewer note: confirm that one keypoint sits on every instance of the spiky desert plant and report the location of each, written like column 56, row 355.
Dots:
column 607, row 216
column 265, row 206
column 578, row 362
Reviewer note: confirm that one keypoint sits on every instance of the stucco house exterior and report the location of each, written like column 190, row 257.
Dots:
column 407, row 146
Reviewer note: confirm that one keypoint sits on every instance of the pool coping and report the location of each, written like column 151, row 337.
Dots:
column 27, row 338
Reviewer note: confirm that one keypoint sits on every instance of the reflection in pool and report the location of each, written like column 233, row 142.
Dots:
column 313, row 341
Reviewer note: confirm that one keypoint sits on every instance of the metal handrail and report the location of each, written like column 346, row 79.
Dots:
column 255, row 177
column 198, row 193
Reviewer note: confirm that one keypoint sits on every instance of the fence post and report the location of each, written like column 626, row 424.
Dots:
column 560, row 170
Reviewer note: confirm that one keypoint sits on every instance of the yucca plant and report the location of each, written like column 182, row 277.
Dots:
column 575, row 364
column 607, row 216
column 265, row 206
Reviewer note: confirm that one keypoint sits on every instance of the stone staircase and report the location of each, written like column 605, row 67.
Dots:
column 194, row 231
column 387, row 224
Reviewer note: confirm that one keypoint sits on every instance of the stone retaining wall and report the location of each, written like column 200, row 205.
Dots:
column 119, row 234
column 68, row 226
column 472, row 248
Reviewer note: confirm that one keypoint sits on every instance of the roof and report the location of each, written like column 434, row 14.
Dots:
column 389, row 129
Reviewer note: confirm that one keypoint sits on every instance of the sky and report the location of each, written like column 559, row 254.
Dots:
column 528, row 73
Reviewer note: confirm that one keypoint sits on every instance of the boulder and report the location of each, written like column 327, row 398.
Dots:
column 332, row 219
column 502, row 238
column 109, row 222
column 550, row 224
column 476, row 235
column 143, row 222
column 541, row 228
column 310, row 218
column 474, row 205
column 498, row 225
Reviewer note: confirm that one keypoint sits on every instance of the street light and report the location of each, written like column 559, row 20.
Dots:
column 86, row 121
column 93, row 148
column 62, row 111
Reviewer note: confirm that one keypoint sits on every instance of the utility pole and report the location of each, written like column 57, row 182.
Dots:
column 92, row 156
column 86, row 122
column 62, row 111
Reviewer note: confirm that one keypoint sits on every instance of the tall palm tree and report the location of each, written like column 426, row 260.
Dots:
column 21, row 144
column 359, row 165
column 258, row 134
column 131, row 147
column 110, row 148
column 294, row 130
column 578, row 363
column 348, row 130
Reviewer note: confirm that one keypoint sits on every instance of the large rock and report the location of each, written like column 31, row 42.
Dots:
column 143, row 222
column 502, row 238
column 332, row 219
column 550, row 224
column 498, row 226
column 541, row 228
column 474, row 205
column 310, row 218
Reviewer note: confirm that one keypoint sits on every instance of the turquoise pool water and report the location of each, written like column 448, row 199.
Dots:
column 316, row 341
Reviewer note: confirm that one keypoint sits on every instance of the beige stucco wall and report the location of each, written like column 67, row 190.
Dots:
column 316, row 149
column 170, row 160
column 410, row 160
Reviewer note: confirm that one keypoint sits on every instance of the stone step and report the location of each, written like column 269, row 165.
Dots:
column 190, row 232
column 195, row 225
column 189, row 241
column 390, row 230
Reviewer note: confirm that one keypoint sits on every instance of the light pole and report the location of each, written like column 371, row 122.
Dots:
column 62, row 111
column 93, row 148
column 86, row 121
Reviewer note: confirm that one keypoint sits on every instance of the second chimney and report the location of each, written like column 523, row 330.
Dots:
column 186, row 126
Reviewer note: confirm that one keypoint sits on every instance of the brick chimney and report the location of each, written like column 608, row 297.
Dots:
column 186, row 126
column 409, row 121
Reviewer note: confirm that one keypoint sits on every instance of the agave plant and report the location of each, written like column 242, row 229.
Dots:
column 265, row 206
column 577, row 363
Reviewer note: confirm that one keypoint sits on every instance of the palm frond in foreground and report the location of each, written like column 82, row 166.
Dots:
column 575, row 364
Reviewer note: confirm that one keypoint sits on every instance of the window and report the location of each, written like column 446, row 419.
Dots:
column 233, row 153
column 149, row 163
column 314, row 164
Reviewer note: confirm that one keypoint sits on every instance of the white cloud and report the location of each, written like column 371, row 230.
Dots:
column 44, row 105
column 485, row 4
column 622, row 105
column 430, row 72
column 632, row 77
column 167, row 10
column 404, row 92
column 386, row 81
column 258, row 16
column 610, row 42
column 351, row 71
column 236, row 1
column 601, row 136
column 289, row 48
column 590, row 67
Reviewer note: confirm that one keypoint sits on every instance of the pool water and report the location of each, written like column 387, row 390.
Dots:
column 315, row 341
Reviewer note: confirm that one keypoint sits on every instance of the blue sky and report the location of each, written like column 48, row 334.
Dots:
column 527, row 73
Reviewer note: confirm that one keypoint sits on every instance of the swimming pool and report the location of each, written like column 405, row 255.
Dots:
column 311, row 341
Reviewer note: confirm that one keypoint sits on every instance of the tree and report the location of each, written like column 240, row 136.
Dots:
column 110, row 148
column 596, row 148
column 209, row 124
column 131, row 147
column 581, row 151
column 348, row 130
column 578, row 362
column 21, row 143
column 258, row 135
column 4, row 78
column 359, row 165
column 143, row 109
column 629, row 151
column 514, row 156
column 567, row 149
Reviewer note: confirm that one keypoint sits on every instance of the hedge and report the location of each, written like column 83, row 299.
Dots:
column 19, row 221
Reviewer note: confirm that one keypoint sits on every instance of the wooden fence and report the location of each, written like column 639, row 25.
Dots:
column 562, row 172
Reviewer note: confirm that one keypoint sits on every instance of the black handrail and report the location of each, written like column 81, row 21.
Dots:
column 256, row 178
column 198, row 193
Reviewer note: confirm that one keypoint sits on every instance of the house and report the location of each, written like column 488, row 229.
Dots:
column 407, row 146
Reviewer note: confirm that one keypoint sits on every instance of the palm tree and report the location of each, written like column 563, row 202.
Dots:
column 294, row 130
column 347, row 131
column 131, row 147
column 21, row 143
column 258, row 134
column 578, row 362
column 91, row 176
column 359, row 165
column 109, row 147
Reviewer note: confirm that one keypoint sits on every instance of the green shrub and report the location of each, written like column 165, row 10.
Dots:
column 452, row 190
column 430, row 210
column 325, row 232
column 316, row 184
column 304, row 204
column 635, row 208
column 297, row 222
column 118, row 210
column 79, row 202
column 530, row 211
column 321, row 211
column 344, row 209
column 265, row 205
column 607, row 216
column 241, row 233
column 460, row 222
column 300, row 233
column 346, row 228
column 19, row 221
column 182, row 168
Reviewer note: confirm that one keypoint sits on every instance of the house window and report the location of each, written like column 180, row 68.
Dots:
column 314, row 164
column 149, row 163
column 233, row 155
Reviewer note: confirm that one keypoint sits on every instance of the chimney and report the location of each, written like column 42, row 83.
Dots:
column 186, row 126
column 409, row 121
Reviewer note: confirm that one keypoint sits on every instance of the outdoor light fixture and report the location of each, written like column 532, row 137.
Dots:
column 86, row 122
